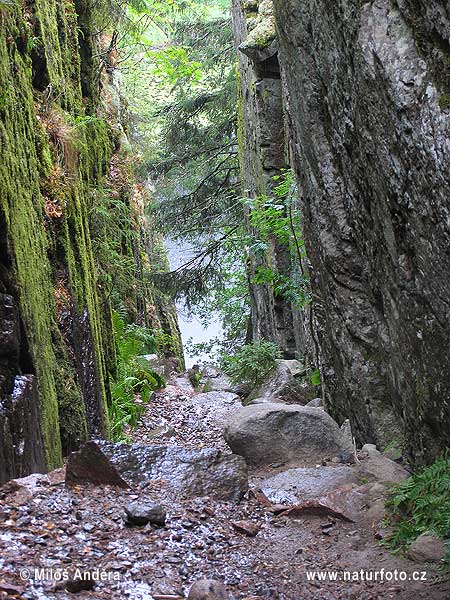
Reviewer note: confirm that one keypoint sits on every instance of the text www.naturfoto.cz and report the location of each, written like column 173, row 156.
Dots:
column 366, row 575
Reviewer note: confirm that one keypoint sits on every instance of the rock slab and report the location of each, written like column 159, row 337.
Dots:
column 379, row 467
column 294, row 485
column 206, row 472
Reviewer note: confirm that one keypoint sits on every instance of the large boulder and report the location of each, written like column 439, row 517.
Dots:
column 215, row 381
column 286, row 384
column 206, row 472
column 271, row 432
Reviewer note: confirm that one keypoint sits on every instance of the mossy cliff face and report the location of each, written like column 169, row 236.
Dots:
column 56, row 145
column 367, row 86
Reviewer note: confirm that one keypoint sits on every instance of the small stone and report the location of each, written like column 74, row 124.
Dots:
column 369, row 448
column 427, row 547
column 382, row 534
column 80, row 584
column 142, row 513
column 208, row 589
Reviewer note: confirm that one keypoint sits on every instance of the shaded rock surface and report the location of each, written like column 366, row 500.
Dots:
column 216, row 381
column 192, row 473
column 367, row 104
column 91, row 465
column 269, row 432
column 21, row 440
column 263, row 154
column 315, row 403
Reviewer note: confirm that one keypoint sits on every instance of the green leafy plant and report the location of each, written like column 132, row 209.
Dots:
column 421, row 504
column 277, row 218
column 195, row 377
column 33, row 43
column 315, row 377
column 252, row 363
column 135, row 379
column 296, row 290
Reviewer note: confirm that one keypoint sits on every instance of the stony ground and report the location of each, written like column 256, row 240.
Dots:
column 52, row 531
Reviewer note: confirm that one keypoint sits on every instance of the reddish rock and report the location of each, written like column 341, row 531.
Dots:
column 248, row 528
column 344, row 504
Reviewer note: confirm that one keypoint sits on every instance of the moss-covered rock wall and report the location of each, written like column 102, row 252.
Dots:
column 57, row 149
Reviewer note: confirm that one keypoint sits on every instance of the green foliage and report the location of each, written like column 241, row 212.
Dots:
column 315, row 377
column 277, row 218
column 421, row 504
column 174, row 65
column 252, row 363
column 188, row 134
column 33, row 42
column 296, row 290
column 135, row 380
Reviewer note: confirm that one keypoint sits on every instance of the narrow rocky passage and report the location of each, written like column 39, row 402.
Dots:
column 261, row 545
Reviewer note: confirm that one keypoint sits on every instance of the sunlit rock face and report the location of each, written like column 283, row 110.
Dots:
column 367, row 88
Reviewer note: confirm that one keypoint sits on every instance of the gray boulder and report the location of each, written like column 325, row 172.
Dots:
column 427, row 548
column 192, row 473
column 286, row 384
column 215, row 381
column 271, row 432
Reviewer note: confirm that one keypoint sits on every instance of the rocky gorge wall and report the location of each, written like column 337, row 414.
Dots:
column 63, row 160
column 263, row 153
column 366, row 89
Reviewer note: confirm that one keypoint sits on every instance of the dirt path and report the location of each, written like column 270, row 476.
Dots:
column 56, row 529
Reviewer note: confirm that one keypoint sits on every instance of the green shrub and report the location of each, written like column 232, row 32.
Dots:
column 252, row 363
column 135, row 379
column 420, row 504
